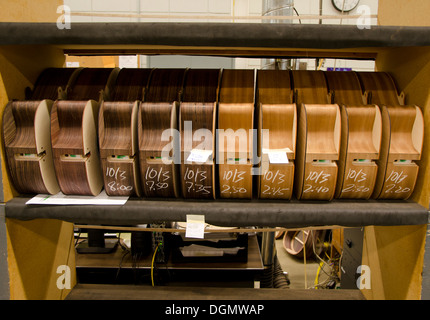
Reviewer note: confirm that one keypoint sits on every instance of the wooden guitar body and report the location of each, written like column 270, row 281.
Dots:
column 74, row 144
column 401, row 146
column 360, row 147
column 276, row 182
column 310, row 87
column 197, row 125
column 53, row 83
column 118, row 148
column 318, row 137
column 380, row 89
column 131, row 85
column 235, row 138
column 92, row 84
column 318, row 142
column 26, row 135
column 345, row 88
column 277, row 133
column 402, row 137
column 197, row 165
column 74, row 132
column 118, row 133
column 360, row 136
column 158, row 147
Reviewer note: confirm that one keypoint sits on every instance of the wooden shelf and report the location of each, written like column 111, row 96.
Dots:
column 219, row 39
column 115, row 292
column 44, row 243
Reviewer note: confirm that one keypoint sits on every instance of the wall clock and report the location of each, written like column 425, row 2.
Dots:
column 345, row 5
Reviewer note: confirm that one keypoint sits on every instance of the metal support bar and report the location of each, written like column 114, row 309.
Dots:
column 425, row 286
column 4, row 271
column 268, row 248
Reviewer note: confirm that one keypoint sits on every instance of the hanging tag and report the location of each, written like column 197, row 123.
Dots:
column 277, row 157
column 199, row 156
column 195, row 226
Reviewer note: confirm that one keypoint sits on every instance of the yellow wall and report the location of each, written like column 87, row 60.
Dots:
column 29, row 10
column 404, row 13
column 395, row 255
column 35, row 250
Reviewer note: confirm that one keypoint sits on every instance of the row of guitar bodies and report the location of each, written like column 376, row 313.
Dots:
column 314, row 152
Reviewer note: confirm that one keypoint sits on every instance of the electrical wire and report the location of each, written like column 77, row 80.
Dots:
column 331, row 275
column 77, row 238
column 318, row 275
column 295, row 10
column 152, row 264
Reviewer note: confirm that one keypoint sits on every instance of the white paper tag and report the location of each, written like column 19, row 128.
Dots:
column 73, row 64
column 200, row 156
column 277, row 157
column 62, row 199
column 195, row 226
column 128, row 62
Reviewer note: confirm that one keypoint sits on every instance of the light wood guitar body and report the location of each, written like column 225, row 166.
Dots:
column 318, row 137
column 360, row 137
column 401, row 146
column 235, row 138
column 277, row 133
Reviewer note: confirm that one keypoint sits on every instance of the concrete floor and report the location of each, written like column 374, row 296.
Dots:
column 300, row 274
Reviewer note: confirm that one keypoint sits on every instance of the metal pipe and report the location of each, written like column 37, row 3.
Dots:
column 277, row 8
column 268, row 248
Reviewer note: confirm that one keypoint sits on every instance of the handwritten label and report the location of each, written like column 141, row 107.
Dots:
column 232, row 189
column 195, row 181
column 395, row 179
column 318, row 176
column 355, row 182
column 119, row 180
column 275, row 178
column 315, row 180
column 234, row 177
column 157, row 179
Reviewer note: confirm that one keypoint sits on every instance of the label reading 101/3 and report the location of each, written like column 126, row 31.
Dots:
column 119, row 180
